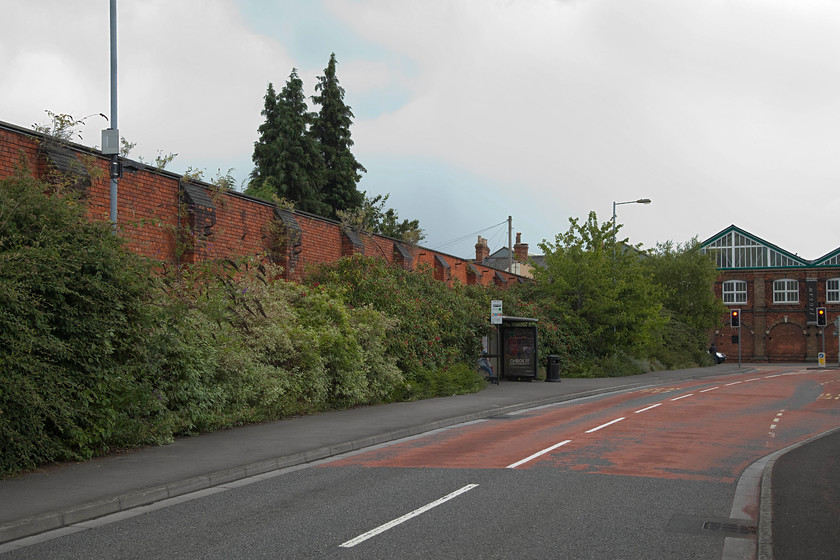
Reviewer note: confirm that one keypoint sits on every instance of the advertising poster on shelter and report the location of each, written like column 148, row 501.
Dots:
column 520, row 351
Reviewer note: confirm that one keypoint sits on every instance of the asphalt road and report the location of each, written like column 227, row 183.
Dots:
column 646, row 474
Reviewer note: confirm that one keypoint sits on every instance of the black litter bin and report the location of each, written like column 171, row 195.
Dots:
column 552, row 371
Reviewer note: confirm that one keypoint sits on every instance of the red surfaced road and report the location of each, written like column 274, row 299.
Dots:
column 700, row 430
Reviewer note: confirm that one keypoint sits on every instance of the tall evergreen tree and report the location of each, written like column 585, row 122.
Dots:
column 287, row 159
column 331, row 130
column 264, row 156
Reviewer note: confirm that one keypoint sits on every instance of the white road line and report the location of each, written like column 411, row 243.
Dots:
column 604, row 425
column 775, row 423
column 709, row 389
column 682, row 397
column 753, row 379
column 537, row 454
column 648, row 408
column 735, row 383
column 406, row 517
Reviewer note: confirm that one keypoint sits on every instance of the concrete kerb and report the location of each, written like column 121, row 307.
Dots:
column 85, row 512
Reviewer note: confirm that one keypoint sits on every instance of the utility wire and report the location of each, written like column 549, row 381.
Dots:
column 459, row 239
column 499, row 240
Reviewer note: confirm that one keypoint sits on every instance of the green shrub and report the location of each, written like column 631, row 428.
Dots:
column 274, row 348
column 435, row 327
column 681, row 346
column 71, row 300
column 613, row 365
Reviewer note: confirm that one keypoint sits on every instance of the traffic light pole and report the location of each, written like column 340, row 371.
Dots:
column 837, row 332
column 822, row 320
column 735, row 321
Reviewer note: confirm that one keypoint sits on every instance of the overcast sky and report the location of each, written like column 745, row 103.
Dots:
column 468, row 111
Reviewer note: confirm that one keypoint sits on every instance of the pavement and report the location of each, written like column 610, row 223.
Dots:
column 805, row 479
column 805, row 484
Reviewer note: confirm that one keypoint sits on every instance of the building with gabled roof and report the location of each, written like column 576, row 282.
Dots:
column 519, row 261
column 778, row 294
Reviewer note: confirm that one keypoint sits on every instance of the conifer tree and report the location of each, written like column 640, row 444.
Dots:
column 286, row 156
column 264, row 157
column 331, row 131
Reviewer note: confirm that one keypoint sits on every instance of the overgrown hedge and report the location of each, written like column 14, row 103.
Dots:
column 437, row 329
column 72, row 306
column 100, row 350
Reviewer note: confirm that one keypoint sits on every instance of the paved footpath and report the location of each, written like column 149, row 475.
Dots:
column 806, row 501
column 70, row 493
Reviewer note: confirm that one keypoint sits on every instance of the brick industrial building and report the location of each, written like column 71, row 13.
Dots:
column 778, row 294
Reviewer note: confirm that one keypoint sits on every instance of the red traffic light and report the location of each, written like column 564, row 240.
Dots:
column 821, row 319
column 735, row 318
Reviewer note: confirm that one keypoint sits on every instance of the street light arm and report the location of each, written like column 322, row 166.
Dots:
column 614, row 228
column 639, row 201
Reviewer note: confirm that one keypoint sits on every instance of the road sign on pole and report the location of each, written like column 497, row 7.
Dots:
column 496, row 312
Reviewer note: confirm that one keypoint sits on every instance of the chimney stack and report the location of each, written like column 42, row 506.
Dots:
column 482, row 251
column 520, row 250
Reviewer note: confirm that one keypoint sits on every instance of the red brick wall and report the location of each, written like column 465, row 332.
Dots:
column 147, row 210
column 13, row 147
column 148, row 218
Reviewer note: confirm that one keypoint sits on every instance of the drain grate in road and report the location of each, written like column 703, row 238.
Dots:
column 733, row 528
column 712, row 527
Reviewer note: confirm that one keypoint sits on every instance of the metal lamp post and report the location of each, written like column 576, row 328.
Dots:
column 639, row 201
column 111, row 135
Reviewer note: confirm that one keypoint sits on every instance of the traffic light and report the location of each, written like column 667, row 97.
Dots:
column 735, row 317
column 821, row 317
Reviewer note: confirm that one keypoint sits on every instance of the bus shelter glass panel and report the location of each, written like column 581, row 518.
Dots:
column 519, row 351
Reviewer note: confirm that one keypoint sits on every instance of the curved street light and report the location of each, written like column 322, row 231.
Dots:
column 640, row 201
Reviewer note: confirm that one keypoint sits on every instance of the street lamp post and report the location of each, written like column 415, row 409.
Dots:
column 639, row 201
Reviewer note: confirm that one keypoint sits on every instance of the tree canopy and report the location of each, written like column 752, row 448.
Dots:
column 602, row 281
column 266, row 155
column 304, row 157
column 629, row 307
column 331, row 130
column 373, row 217
column 287, row 159
column 687, row 277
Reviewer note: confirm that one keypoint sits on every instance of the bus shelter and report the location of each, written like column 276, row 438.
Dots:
column 512, row 350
